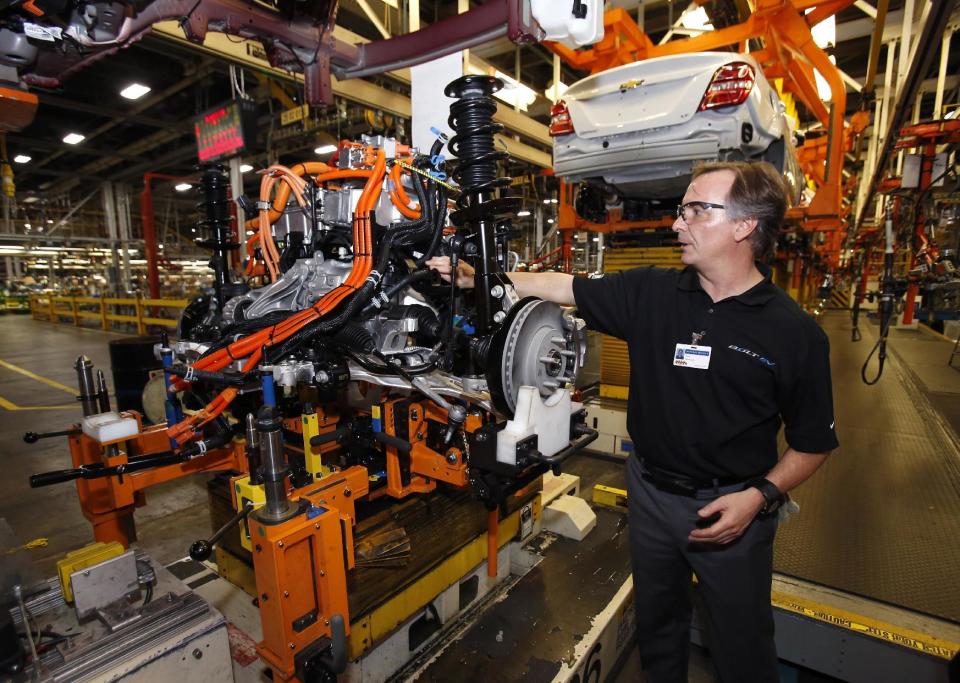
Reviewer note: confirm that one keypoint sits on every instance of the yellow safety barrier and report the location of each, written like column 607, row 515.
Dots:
column 107, row 311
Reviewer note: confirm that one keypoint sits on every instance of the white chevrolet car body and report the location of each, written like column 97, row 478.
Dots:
column 639, row 129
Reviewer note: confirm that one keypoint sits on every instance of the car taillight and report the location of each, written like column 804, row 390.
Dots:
column 560, row 121
column 730, row 85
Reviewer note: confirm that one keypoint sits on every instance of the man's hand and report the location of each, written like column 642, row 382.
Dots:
column 736, row 510
column 465, row 271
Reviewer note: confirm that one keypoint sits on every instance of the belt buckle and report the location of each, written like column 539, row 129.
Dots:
column 670, row 485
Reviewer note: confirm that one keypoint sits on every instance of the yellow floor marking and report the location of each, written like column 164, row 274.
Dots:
column 9, row 405
column 48, row 382
column 931, row 331
column 898, row 635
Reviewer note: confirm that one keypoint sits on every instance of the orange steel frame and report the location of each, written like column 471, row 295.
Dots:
column 300, row 564
column 789, row 53
column 301, row 568
column 109, row 502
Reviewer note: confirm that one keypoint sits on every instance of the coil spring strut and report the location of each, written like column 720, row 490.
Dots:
column 471, row 117
column 480, row 208
column 215, row 225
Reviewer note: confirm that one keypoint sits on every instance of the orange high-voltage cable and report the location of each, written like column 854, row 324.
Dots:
column 279, row 205
column 399, row 196
column 251, row 347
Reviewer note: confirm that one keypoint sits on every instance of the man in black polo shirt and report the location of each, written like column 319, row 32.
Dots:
column 719, row 356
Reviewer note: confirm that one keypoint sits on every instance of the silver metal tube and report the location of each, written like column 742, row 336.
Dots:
column 103, row 394
column 88, row 390
column 274, row 467
column 253, row 449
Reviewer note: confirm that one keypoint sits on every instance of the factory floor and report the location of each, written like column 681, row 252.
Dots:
column 879, row 520
column 38, row 386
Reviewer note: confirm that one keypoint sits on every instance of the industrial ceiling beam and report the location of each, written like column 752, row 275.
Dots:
column 374, row 19
column 363, row 92
column 47, row 146
column 47, row 100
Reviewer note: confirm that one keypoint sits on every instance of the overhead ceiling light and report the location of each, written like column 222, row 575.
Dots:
column 547, row 200
column 515, row 93
column 73, row 138
column 523, row 213
column 244, row 168
column 50, row 221
column 27, row 226
column 182, row 187
column 31, row 200
column 555, row 91
column 135, row 91
column 825, row 33
column 549, row 220
column 325, row 149
column 697, row 20
column 823, row 88
column 22, row 159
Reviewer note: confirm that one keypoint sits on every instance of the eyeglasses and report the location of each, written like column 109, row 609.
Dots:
column 691, row 212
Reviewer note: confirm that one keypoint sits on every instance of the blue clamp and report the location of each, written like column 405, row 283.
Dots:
column 462, row 323
column 269, row 393
column 313, row 511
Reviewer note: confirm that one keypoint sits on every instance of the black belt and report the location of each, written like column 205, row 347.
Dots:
column 683, row 486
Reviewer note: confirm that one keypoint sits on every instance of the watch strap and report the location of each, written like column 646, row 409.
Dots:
column 772, row 496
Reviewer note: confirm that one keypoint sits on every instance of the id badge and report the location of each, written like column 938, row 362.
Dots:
column 690, row 356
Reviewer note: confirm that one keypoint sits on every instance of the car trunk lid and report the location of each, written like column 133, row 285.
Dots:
column 644, row 95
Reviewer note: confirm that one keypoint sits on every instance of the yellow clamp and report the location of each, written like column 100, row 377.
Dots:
column 30, row 545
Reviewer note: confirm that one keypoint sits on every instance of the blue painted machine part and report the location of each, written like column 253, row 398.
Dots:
column 269, row 392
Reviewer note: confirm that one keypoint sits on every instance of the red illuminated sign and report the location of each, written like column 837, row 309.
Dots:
column 220, row 132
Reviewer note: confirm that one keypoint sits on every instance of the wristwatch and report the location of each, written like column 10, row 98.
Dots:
column 772, row 496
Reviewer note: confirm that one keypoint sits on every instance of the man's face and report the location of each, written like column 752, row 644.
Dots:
column 707, row 234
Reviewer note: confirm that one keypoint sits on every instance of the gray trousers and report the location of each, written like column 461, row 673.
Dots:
column 734, row 581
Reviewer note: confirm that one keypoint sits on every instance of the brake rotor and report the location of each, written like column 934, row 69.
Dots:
column 537, row 345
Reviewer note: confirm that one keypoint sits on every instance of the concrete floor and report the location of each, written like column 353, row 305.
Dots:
column 176, row 510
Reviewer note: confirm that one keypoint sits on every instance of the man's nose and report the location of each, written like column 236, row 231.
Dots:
column 679, row 224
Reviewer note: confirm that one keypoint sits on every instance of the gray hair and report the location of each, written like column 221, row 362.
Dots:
column 757, row 192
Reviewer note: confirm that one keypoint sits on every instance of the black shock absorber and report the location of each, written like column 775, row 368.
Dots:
column 215, row 226
column 480, row 208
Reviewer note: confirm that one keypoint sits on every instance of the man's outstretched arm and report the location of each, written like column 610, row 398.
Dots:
column 556, row 287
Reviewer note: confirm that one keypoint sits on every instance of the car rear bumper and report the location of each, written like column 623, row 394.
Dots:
column 636, row 159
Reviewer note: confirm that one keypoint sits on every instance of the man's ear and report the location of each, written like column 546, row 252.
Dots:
column 745, row 228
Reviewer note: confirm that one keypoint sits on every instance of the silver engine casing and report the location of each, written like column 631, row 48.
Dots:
column 300, row 287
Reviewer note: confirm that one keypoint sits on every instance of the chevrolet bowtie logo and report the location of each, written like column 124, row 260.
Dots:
column 630, row 85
